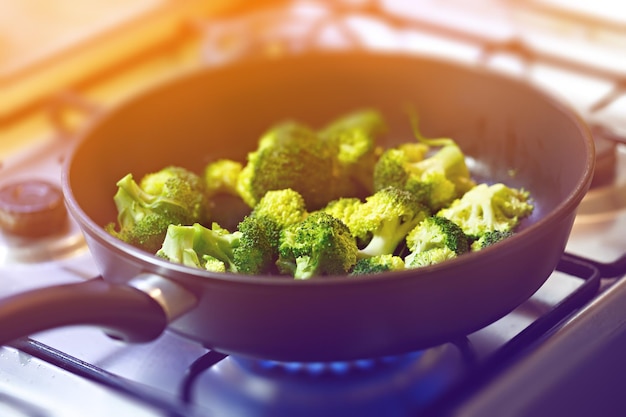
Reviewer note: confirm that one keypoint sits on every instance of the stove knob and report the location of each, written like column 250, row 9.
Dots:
column 32, row 208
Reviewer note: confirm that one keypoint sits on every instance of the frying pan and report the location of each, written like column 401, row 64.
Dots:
column 509, row 131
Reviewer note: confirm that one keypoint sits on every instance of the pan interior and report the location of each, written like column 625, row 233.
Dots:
column 215, row 114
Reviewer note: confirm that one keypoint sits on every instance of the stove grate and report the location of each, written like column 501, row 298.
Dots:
column 479, row 371
column 170, row 407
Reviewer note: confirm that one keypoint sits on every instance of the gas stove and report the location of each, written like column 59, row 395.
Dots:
column 560, row 353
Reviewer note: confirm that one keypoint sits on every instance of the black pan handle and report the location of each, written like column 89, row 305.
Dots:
column 124, row 312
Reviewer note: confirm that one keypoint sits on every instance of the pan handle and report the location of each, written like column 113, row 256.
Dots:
column 138, row 312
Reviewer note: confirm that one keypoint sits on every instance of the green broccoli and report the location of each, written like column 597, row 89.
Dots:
column 251, row 249
column 290, row 155
column 195, row 245
column 490, row 238
column 346, row 209
column 226, row 206
column 382, row 221
column 285, row 207
column 326, row 202
column 221, row 176
column 257, row 249
column 355, row 136
column 436, row 178
column 378, row 264
column 172, row 195
column 179, row 245
column 433, row 240
column 277, row 209
column 213, row 264
column 319, row 245
column 246, row 250
column 486, row 207
column 429, row 257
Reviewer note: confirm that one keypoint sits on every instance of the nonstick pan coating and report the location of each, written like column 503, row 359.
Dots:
column 510, row 132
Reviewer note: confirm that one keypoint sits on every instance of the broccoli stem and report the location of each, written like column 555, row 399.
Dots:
column 305, row 268
column 386, row 238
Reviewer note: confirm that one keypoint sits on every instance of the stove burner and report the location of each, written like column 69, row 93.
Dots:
column 329, row 368
column 398, row 385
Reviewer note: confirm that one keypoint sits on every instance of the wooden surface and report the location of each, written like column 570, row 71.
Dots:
column 33, row 30
column 47, row 46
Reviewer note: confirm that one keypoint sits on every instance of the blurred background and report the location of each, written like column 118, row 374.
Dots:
column 62, row 59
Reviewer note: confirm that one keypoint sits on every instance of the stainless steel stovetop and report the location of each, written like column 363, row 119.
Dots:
column 560, row 353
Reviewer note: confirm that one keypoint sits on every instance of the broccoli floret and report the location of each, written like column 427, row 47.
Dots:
column 490, row 238
column 437, row 231
column 257, row 249
column 436, row 180
column 378, row 264
column 251, row 249
column 433, row 240
column 226, row 206
column 355, row 136
column 380, row 222
column 435, row 177
column 383, row 220
column 172, row 195
column 179, row 246
column 319, row 245
column 285, row 207
column 246, row 250
column 196, row 244
column 290, row 155
column 336, row 161
column 178, row 184
column 221, row 176
column 430, row 257
column 276, row 210
column 213, row 264
column 485, row 208
column 347, row 210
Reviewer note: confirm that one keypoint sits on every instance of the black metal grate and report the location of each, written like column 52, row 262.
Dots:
column 481, row 373
column 153, row 399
